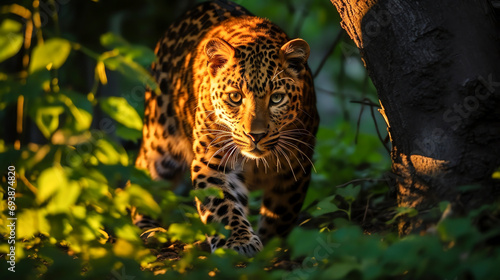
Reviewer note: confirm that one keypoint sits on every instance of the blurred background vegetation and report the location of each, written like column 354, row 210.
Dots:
column 72, row 77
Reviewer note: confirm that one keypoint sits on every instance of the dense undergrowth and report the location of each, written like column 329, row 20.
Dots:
column 72, row 200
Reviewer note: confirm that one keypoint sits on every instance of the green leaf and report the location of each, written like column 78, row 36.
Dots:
column 34, row 221
column 49, row 182
column 109, row 153
column 119, row 109
column 139, row 54
column 201, row 194
column 129, row 69
column 452, row 229
column 341, row 270
column 139, row 197
column 64, row 198
column 303, row 242
column 128, row 133
column 111, row 40
column 128, row 232
column 47, row 118
column 184, row 232
column 80, row 108
column 411, row 212
column 443, row 205
column 349, row 193
column 53, row 53
column 11, row 39
column 325, row 206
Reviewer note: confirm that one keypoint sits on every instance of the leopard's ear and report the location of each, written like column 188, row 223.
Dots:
column 294, row 55
column 218, row 52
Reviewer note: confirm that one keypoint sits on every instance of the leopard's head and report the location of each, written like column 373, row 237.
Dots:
column 257, row 92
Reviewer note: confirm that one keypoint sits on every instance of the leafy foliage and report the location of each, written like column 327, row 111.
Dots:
column 67, row 143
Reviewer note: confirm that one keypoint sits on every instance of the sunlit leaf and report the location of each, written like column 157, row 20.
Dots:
column 11, row 39
column 201, row 194
column 138, row 197
column 411, row 212
column 34, row 221
column 46, row 115
column 128, row 232
column 109, row 153
column 126, row 249
column 120, row 110
column 64, row 198
column 80, row 108
column 48, row 119
column 184, row 232
column 123, row 248
column 496, row 175
column 112, row 40
column 52, row 53
column 140, row 54
column 49, row 182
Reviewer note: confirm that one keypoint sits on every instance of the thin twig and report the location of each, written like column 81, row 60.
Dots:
column 358, row 124
column 368, row 102
column 366, row 208
column 378, row 132
column 329, row 52
column 359, row 181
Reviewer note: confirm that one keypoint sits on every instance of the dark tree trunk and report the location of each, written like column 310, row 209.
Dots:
column 436, row 67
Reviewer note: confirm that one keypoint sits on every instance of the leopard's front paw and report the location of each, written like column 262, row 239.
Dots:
column 247, row 245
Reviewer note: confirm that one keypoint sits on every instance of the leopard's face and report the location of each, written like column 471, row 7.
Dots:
column 256, row 92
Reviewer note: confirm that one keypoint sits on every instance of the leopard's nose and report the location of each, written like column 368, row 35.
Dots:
column 256, row 137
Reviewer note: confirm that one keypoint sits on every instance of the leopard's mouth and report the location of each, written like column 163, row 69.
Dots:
column 255, row 153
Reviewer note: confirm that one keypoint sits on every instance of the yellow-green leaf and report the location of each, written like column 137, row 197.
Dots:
column 64, row 198
column 47, row 119
column 80, row 108
column 11, row 39
column 33, row 222
column 49, row 182
column 120, row 110
column 52, row 54
column 109, row 153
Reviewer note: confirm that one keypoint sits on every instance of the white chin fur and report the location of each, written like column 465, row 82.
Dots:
column 249, row 155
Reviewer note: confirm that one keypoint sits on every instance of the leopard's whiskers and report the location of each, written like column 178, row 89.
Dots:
column 299, row 150
column 310, row 146
column 287, row 158
column 220, row 150
column 227, row 156
column 298, row 160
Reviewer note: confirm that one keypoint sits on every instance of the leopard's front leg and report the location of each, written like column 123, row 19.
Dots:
column 282, row 202
column 231, row 210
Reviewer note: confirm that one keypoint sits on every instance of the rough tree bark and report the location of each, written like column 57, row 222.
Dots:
column 436, row 67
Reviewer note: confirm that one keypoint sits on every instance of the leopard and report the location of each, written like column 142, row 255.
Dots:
column 236, row 108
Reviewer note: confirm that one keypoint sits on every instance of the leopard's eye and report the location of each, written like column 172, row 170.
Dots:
column 276, row 98
column 235, row 97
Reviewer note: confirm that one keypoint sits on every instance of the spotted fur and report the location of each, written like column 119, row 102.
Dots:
column 238, row 109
